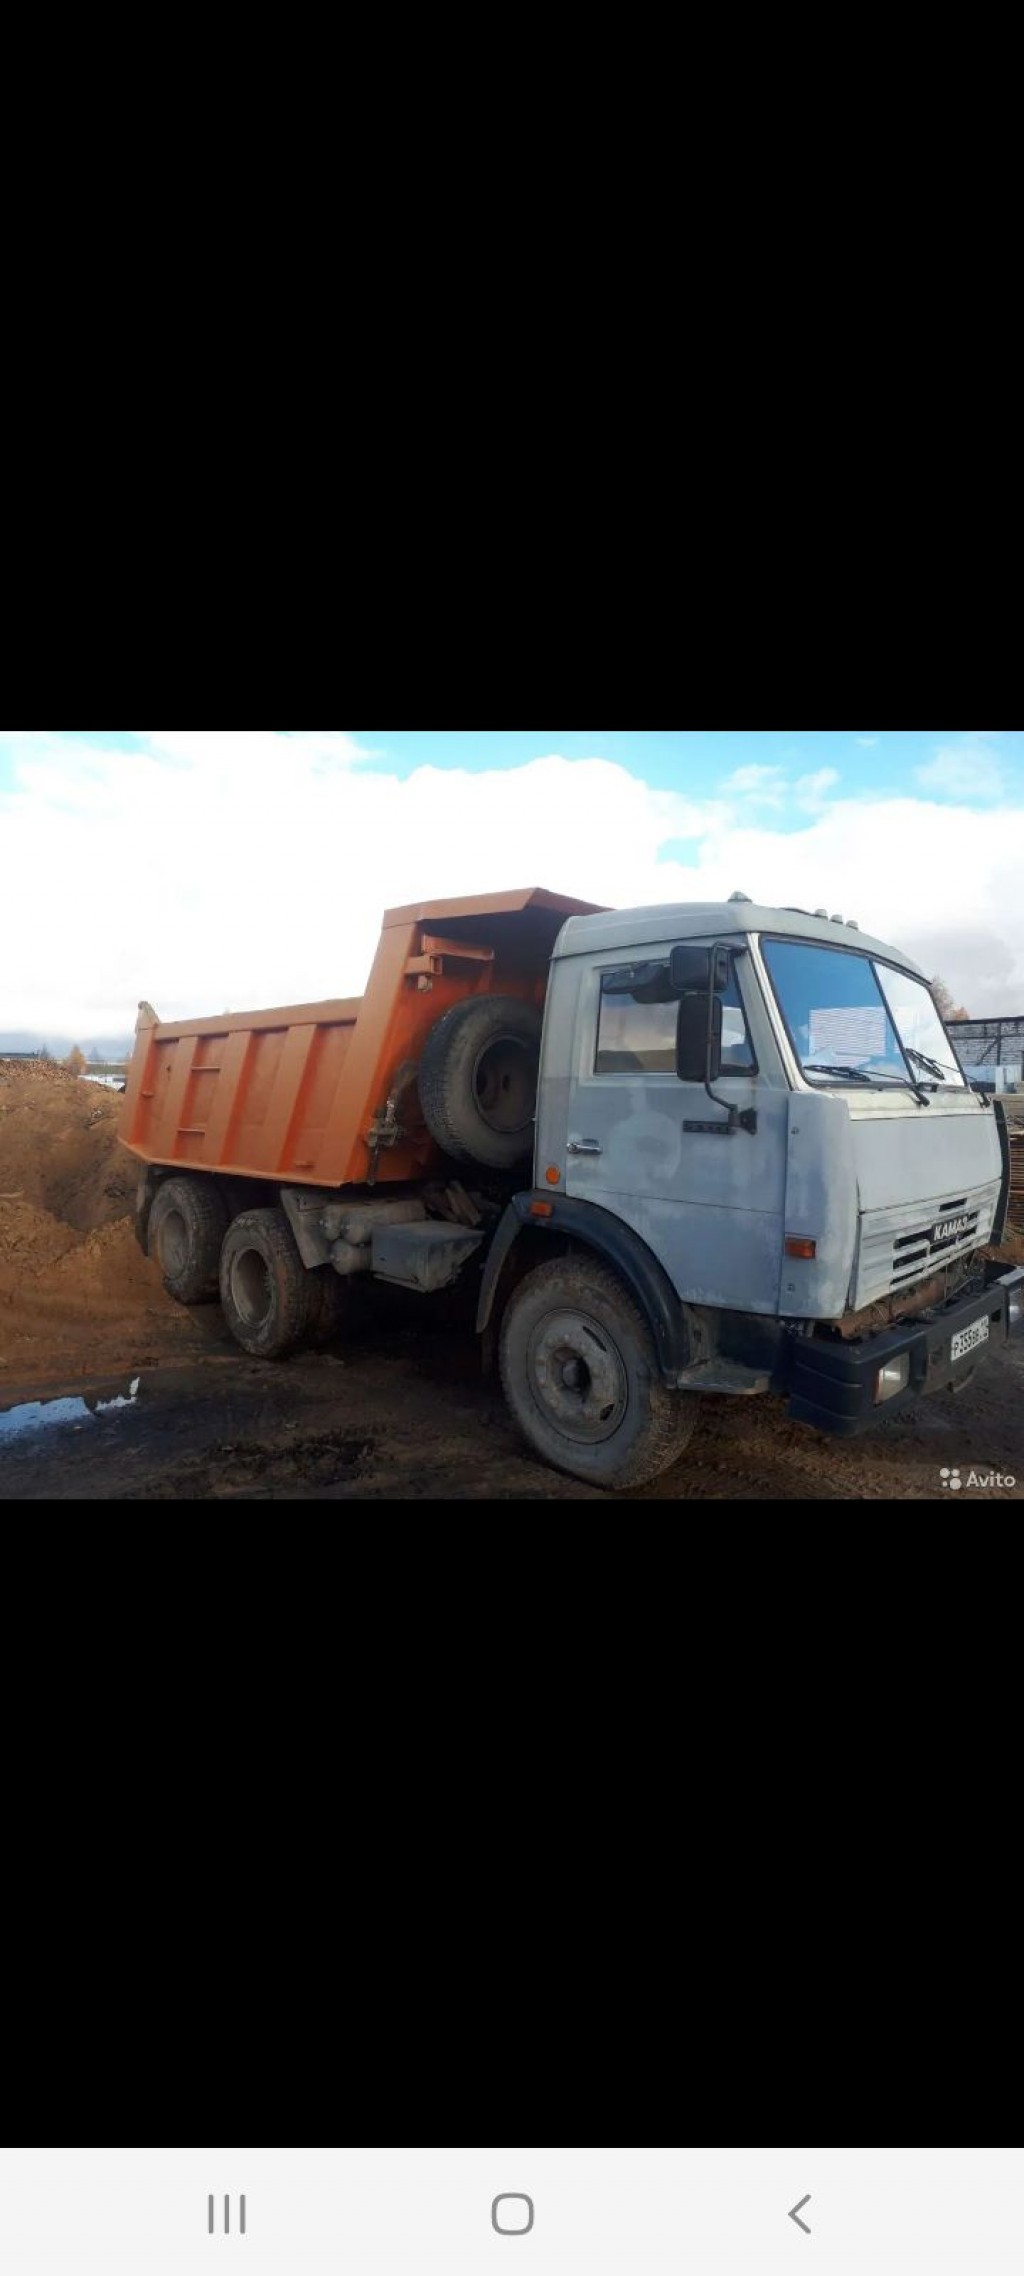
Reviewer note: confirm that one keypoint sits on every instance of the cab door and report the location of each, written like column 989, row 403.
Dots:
column 659, row 1153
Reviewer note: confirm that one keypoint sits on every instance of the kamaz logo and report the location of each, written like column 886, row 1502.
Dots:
column 951, row 1228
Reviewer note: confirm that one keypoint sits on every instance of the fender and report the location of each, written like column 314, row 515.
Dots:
column 598, row 1229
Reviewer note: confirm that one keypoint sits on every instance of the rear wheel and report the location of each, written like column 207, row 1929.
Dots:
column 335, row 1304
column 580, row 1373
column 265, row 1289
column 187, row 1223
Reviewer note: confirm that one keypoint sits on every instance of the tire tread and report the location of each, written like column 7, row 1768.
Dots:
column 268, row 1231
column 446, row 1100
column 205, row 1212
column 670, row 1417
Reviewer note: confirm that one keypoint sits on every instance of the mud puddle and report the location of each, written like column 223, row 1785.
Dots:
column 340, row 1425
column 401, row 1417
column 35, row 1415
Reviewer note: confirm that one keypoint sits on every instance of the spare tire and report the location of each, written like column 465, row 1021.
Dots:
column 187, row 1223
column 478, row 1080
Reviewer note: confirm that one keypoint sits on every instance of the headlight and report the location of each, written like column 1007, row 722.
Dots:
column 893, row 1377
column 1015, row 1306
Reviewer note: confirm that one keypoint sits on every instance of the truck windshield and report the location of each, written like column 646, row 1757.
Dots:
column 852, row 1019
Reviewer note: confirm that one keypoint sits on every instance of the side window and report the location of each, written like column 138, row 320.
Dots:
column 636, row 1032
column 737, row 1050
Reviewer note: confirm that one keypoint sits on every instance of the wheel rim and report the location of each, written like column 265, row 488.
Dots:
column 174, row 1242
column 251, row 1287
column 505, row 1084
column 577, row 1377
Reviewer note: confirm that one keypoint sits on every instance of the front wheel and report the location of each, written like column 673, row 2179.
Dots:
column 580, row 1373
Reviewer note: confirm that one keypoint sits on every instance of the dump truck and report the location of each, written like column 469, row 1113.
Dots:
column 713, row 1147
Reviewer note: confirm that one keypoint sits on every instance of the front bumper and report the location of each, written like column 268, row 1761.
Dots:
column 832, row 1385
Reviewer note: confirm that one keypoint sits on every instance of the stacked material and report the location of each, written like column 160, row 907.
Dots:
column 1015, row 1213
column 22, row 1071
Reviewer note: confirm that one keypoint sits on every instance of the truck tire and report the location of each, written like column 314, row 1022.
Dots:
column 580, row 1373
column 478, row 1080
column 265, row 1290
column 188, row 1219
column 335, row 1304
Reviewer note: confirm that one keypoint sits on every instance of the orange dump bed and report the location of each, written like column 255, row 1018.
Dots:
column 325, row 1094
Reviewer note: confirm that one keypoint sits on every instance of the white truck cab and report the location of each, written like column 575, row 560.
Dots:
column 759, row 1166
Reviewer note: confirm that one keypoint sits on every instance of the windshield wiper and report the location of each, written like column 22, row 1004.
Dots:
column 850, row 1074
column 934, row 1066
column 858, row 1075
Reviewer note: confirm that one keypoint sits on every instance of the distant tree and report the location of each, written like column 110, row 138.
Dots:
column 43, row 1052
column 944, row 999
column 75, row 1060
column 94, row 1057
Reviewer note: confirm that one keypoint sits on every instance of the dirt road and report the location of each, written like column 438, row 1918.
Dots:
column 407, row 1415
column 403, row 1413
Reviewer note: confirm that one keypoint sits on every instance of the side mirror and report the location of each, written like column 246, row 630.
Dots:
column 689, row 970
column 699, row 1035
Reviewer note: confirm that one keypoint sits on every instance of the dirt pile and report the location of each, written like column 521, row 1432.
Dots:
column 25, row 1071
column 30, row 1240
column 59, row 1148
column 75, row 1290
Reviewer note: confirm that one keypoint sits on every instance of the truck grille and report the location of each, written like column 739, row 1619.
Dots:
column 898, row 1247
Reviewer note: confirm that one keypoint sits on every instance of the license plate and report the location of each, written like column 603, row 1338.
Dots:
column 968, row 1338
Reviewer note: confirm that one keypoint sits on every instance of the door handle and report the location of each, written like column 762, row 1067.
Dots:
column 583, row 1146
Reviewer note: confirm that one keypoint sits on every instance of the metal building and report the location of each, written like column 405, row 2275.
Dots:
column 991, row 1043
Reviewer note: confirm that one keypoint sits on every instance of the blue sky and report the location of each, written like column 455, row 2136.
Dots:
column 866, row 761
column 208, row 870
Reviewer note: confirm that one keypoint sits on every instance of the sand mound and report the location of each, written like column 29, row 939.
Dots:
column 76, row 1291
column 34, row 1071
column 59, row 1148
column 30, row 1240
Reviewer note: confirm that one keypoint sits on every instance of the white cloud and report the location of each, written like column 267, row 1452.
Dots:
column 962, row 770
column 765, row 784
column 867, row 742
column 224, row 749
column 941, row 882
column 809, row 790
column 254, row 870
